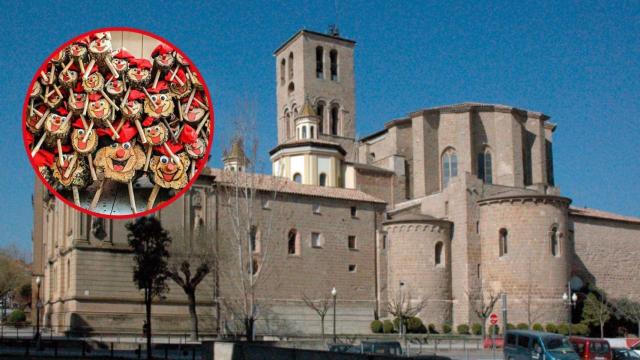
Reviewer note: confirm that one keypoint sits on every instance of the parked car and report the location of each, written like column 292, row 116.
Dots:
column 526, row 344
column 625, row 354
column 392, row 348
column 591, row 349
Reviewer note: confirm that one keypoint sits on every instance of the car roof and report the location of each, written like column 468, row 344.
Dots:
column 585, row 339
column 533, row 333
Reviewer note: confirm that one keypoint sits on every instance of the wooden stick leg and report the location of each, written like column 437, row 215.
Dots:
column 31, row 107
column 88, row 132
column 113, row 70
column 193, row 94
column 126, row 96
column 72, row 163
column 106, row 97
column 94, row 177
column 146, row 163
column 81, row 65
column 173, row 156
column 132, row 198
column 204, row 120
column 174, row 72
column 86, row 105
column 38, row 145
column 152, row 197
column 115, row 133
column 66, row 67
column 76, row 196
column 84, row 122
column 140, row 131
column 89, row 67
column 42, row 118
column 155, row 81
column 59, row 144
column 96, row 196
column 193, row 168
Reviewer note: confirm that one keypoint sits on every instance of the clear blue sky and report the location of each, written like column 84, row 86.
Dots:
column 577, row 62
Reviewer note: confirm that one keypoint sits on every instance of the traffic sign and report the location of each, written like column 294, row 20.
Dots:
column 493, row 319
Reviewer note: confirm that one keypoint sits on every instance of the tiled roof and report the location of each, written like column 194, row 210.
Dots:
column 308, row 142
column 468, row 106
column 286, row 186
column 599, row 214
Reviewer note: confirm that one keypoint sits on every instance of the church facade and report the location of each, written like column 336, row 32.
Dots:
column 450, row 205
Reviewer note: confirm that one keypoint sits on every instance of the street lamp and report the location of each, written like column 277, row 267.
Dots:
column 38, row 307
column 334, row 295
column 570, row 300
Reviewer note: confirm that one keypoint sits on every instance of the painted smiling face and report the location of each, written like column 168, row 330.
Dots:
column 94, row 82
column 167, row 173
column 121, row 65
column 119, row 162
column 53, row 100
column 76, row 102
column 115, row 88
column 158, row 105
column 139, row 76
column 81, row 146
column 164, row 61
column 194, row 114
column 131, row 109
column 68, row 78
column 57, row 125
column 180, row 91
column 77, row 50
column 79, row 175
column 100, row 47
column 197, row 149
column 99, row 109
column 156, row 134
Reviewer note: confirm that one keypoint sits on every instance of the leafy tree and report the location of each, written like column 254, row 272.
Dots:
column 628, row 309
column 596, row 310
column 149, row 242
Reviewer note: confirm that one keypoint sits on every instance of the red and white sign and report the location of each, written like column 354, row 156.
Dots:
column 493, row 319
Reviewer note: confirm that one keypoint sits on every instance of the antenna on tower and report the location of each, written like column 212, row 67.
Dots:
column 333, row 28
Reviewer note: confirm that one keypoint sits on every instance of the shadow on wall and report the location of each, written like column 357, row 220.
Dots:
column 78, row 326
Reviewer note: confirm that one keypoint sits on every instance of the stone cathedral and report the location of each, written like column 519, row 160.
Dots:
column 450, row 204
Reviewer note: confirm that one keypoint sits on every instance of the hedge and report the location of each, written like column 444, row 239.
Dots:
column 552, row 328
column 490, row 331
column 463, row 329
column 376, row 326
column 563, row 329
column 415, row 326
column 581, row 329
column 476, row 329
column 537, row 327
column 446, row 328
column 522, row 326
column 16, row 316
column 510, row 326
column 387, row 327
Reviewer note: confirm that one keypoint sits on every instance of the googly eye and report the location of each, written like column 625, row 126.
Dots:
column 114, row 145
column 163, row 97
column 80, row 131
column 156, row 128
column 154, row 98
column 126, row 146
column 164, row 159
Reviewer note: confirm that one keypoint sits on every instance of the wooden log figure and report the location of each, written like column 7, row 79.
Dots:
column 168, row 173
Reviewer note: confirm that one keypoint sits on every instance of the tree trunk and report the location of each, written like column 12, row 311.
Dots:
column 601, row 330
column 322, row 325
column 147, row 301
column 248, row 326
column 192, row 313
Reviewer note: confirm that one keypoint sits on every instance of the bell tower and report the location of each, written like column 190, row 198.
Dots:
column 317, row 67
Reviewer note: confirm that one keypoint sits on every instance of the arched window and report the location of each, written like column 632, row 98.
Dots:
column 282, row 71
column 311, row 131
column 554, row 241
column 323, row 179
column 292, row 242
column 320, row 113
column 319, row 62
column 449, row 166
column 438, row 250
column 334, row 120
column 253, row 237
column 291, row 88
column 297, row 178
column 255, row 266
column 333, row 56
column 290, row 66
column 503, row 239
column 287, row 123
column 485, row 166
column 304, row 132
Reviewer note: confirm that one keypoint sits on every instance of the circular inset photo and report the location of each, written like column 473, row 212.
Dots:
column 118, row 123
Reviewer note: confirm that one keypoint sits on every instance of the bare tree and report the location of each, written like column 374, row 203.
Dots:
column 483, row 307
column 404, row 307
column 320, row 306
column 244, row 195
column 190, row 262
column 532, row 309
column 628, row 309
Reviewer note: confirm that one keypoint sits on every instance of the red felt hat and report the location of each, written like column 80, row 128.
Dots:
column 194, row 103
column 161, row 50
column 127, row 132
column 123, row 54
column 79, row 88
column 100, row 35
column 65, row 149
column 161, row 86
column 95, row 96
column 179, row 74
column 148, row 121
column 78, row 124
column 93, row 70
column 62, row 111
column 43, row 158
column 175, row 148
column 140, row 63
column 84, row 41
column 136, row 95
column 188, row 135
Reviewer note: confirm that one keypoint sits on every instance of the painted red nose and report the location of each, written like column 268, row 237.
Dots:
column 120, row 153
column 171, row 167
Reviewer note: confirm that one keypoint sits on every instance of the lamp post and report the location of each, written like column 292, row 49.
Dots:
column 334, row 295
column 570, row 300
column 38, row 306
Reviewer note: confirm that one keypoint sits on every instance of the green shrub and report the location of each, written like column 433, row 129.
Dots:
column 522, row 326
column 476, row 329
column 490, row 330
column 580, row 329
column 563, row 329
column 387, row 326
column 552, row 328
column 446, row 328
column 376, row 326
column 510, row 326
column 463, row 329
column 432, row 329
column 16, row 316
column 415, row 326
column 537, row 327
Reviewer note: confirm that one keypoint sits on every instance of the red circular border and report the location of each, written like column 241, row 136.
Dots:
column 71, row 203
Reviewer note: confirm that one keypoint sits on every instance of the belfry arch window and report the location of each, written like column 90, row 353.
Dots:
column 319, row 62
column 554, row 241
column 290, row 66
column 438, row 253
column 503, row 238
column 449, row 166
column 297, row 178
column 287, row 123
column 485, row 166
column 320, row 113
column 333, row 58
column 323, row 179
column 282, row 71
column 334, row 120
column 293, row 242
